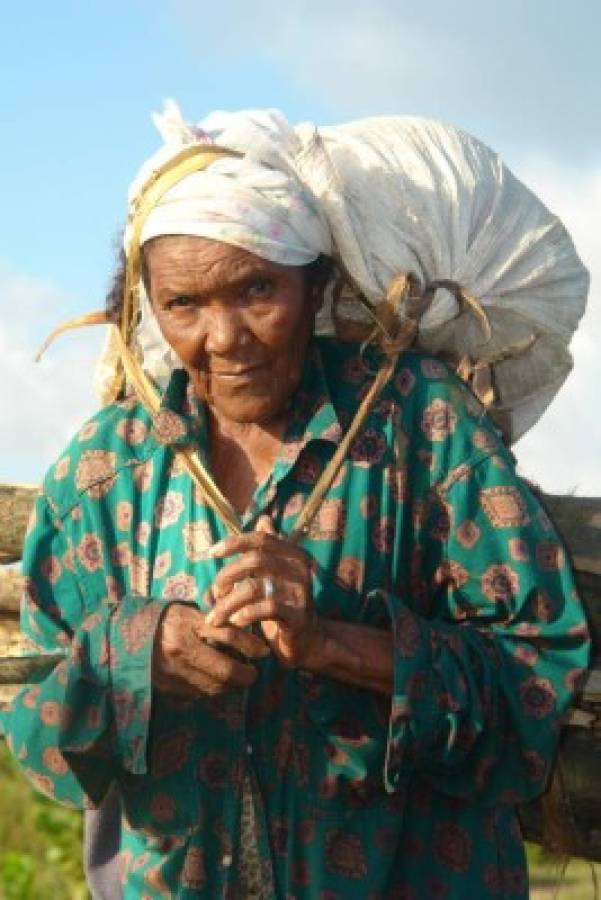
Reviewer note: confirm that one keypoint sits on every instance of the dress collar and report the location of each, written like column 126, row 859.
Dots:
column 182, row 419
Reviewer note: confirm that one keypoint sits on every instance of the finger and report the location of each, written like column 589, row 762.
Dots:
column 214, row 665
column 232, row 609
column 244, row 642
column 288, row 593
column 233, row 602
column 241, row 543
column 246, row 589
column 256, row 566
column 265, row 526
column 283, row 613
column 194, row 661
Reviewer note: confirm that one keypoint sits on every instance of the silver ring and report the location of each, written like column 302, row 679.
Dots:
column 268, row 587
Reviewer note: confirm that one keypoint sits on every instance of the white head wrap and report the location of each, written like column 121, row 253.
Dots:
column 241, row 200
column 254, row 201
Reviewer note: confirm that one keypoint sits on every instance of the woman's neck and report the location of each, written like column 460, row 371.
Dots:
column 242, row 455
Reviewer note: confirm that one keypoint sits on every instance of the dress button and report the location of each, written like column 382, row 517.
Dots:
column 249, row 749
column 226, row 860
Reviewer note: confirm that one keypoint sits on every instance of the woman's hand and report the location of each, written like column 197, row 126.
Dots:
column 185, row 665
column 269, row 583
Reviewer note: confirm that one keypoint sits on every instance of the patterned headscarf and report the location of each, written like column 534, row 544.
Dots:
column 252, row 199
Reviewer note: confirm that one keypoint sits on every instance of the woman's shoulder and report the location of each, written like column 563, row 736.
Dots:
column 118, row 435
column 424, row 406
column 417, row 380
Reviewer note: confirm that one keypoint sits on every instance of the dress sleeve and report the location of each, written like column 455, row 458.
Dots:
column 88, row 720
column 490, row 640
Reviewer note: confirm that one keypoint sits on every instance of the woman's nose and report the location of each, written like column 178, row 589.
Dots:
column 225, row 329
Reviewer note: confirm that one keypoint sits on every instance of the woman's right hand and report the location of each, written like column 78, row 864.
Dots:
column 186, row 666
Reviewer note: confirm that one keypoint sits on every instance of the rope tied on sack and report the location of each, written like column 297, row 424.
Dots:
column 397, row 319
column 395, row 331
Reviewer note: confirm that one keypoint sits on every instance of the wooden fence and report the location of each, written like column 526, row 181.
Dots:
column 576, row 787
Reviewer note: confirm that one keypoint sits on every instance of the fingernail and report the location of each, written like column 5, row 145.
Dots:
column 210, row 618
column 215, row 550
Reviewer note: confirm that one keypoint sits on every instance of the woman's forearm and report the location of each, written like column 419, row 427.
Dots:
column 356, row 654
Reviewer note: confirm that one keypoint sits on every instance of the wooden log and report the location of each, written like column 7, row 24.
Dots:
column 590, row 696
column 9, row 627
column 16, row 501
column 21, row 661
column 578, row 520
column 11, row 586
column 579, row 803
column 14, row 644
column 589, row 588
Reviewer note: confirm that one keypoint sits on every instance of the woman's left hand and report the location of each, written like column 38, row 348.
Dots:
column 269, row 583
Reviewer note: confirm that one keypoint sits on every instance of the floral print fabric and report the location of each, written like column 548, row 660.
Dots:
column 426, row 532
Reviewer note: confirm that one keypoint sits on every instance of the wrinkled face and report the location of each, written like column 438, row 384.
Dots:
column 240, row 324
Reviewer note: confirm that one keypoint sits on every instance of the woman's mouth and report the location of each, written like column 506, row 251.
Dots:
column 235, row 374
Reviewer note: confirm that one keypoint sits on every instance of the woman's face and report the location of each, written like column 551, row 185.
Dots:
column 240, row 324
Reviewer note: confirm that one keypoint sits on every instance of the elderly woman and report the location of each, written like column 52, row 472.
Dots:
column 342, row 702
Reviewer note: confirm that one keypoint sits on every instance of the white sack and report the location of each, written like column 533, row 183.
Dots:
column 408, row 194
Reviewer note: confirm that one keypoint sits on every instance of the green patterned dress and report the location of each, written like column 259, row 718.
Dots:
column 426, row 532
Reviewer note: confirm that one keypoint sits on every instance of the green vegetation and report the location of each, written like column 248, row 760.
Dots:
column 549, row 880
column 40, row 842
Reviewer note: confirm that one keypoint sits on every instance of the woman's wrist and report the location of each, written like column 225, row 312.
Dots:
column 318, row 653
column 355, row 654
column 327, row 653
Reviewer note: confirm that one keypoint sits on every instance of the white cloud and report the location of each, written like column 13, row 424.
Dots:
column 360, row 58
column 516, row 73
column 40, row 405
column 350, row 54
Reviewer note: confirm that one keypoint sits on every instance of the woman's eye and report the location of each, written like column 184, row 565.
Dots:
column 260, row 287
column 182, row 301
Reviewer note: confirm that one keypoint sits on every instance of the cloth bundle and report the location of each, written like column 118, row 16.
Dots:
column 385, row 196
column 421, row 196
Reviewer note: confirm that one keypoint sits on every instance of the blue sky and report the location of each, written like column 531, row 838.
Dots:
column 78, row 83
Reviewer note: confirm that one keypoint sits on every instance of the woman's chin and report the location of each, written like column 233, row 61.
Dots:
column 245, row 408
